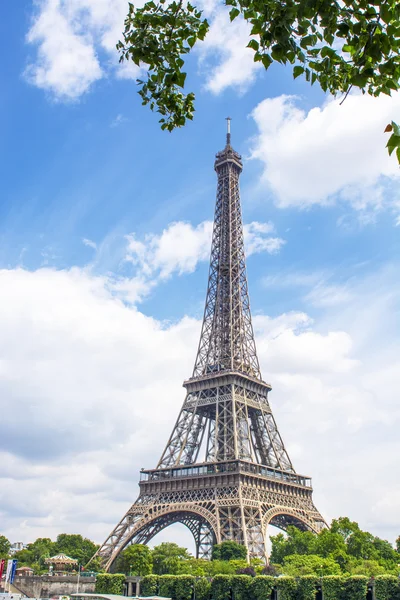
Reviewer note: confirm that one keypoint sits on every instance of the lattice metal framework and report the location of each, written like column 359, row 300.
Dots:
column 225, row 472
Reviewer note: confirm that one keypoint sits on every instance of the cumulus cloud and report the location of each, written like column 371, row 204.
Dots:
column 75, row 47
column 328, row 153
column 70, row 37
column 101, row 387
column 224, row 54
column 181, row 246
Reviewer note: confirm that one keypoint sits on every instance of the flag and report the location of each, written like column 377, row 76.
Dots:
column 2, row 563
column 13, row 569
column 8, row 571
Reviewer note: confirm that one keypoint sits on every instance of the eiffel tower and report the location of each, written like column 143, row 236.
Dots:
column 225, row 472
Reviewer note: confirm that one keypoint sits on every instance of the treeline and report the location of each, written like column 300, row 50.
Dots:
column 343, row 550
column 262, row 587
column 35, row 554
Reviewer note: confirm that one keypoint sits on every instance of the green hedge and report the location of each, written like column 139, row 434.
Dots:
column 166, row 586
column 183, row 589
column 245, row 587
column 355, row 588
column 221, row 587
column 387, row 587
column 286, row 587
column 110, row 583
column 241, row 587
column 149, row 585
column 262, row 586
column 307, row 587
column 332, row 587
column 177, row 587
column 202, row 589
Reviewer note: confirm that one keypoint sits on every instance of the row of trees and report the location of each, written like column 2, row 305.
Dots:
column 34, row 555
column 344, row 549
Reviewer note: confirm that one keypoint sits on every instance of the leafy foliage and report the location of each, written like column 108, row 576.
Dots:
column 262, row 587
column 158, row 36
column 76, row 546
column 202, row 589
column 4, row 546
column 286, row 587
column 241, row 586
column 166, row 558
column 344, row 548
column 338, row 44
column 307, row 588
column 107, row 583
column 392, row 145
column 332, row 587
column 229, row 550
column 387, row 587
column 246, row 571
column 166, row 586
column 311, row 564
column 135, row 560
column 221, row 587
column 149, row 585
column 355, row 588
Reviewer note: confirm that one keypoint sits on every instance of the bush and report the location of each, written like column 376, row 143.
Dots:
column 221, row 587
column 202, row 589
column 355, row 588
column 183, row 587
column 229, row 550
column 286, row 587
column 307, row 588
column 332, row 587
column 387, row 587
column 107, row 583
column 246, row 571
column 261, row 587
column 166, row 586
column 240, row 587
column 149, row 585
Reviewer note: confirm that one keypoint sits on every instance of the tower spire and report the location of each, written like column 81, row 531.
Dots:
column 227, row 338
column 228, row 131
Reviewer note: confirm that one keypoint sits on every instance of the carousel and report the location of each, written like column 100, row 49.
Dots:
column 61, row 564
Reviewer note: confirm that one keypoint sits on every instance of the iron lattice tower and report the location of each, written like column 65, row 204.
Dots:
column 225, row 472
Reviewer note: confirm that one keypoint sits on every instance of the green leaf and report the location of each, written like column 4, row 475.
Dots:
column 297, row 71
column 253, row 44
column 233, row 13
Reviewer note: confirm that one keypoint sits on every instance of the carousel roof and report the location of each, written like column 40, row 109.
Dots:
column 62, row 559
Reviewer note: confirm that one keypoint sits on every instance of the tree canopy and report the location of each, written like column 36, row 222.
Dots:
column 74, row 545
column 166, row 558
column 340, row 45
column 135, row 560
column 229, row 550
column 4, row 546
column 345, row 544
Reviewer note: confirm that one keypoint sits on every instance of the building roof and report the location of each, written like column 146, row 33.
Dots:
column 61, row 558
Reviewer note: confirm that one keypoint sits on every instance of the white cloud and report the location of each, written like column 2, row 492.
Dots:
column 256, row 240
column 328, row 153
column 181, row 246
column 89, row 243
column 75, row 42
column 70, row 37
column 224, row 55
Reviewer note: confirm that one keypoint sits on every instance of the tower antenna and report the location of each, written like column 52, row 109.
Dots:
column 228, row 131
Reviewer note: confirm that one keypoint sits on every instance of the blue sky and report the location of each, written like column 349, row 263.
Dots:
column 104, row 241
